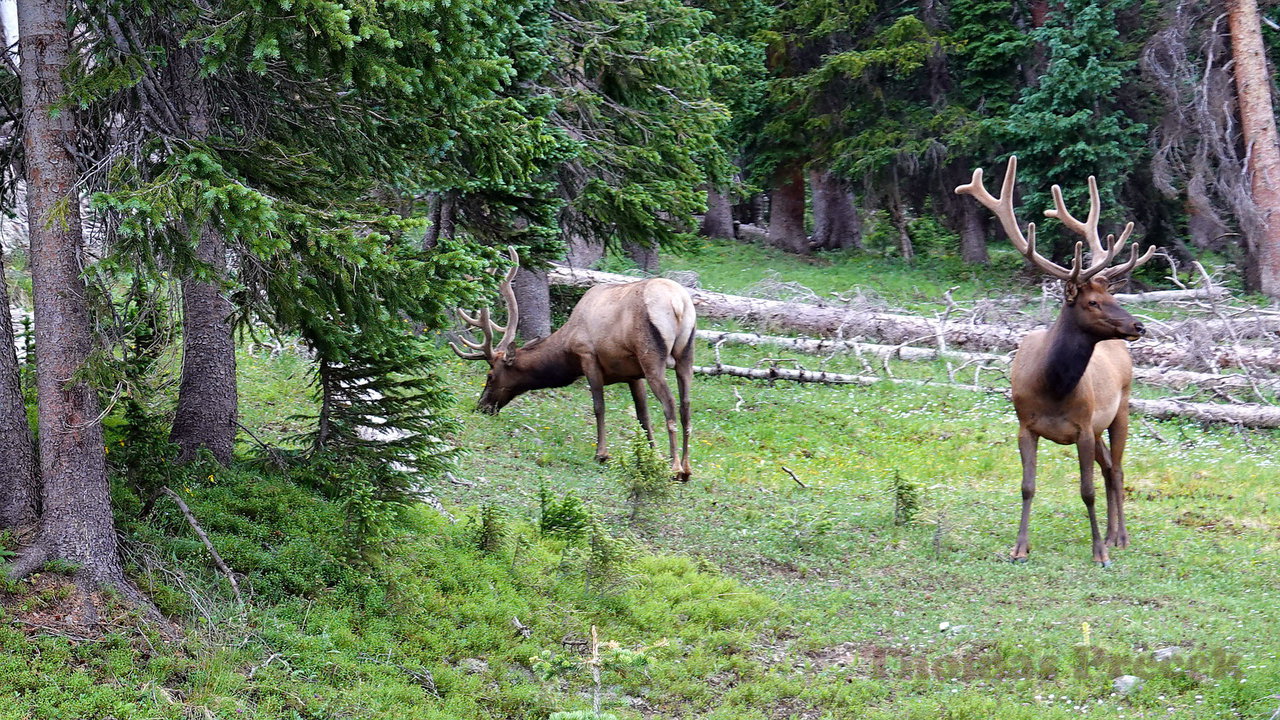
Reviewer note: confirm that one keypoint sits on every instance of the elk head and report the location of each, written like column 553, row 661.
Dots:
column 499, row 388
column 1086, row 289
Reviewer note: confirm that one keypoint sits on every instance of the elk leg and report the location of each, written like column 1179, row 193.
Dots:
column 1119, row 435
column 657, row 378
column 640, row 397
column 684, row 378
column 1103, row 455
column 1086, row 446
column 1027, row 442
column 596, row 382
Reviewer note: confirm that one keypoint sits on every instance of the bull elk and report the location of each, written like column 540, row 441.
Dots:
column 1072, row 381
column 616, row 333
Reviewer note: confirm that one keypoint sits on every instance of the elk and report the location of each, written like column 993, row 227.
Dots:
column 616, row 333
column 1071, row 382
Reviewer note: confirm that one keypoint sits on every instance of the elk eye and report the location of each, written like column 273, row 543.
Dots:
column 1093, row 303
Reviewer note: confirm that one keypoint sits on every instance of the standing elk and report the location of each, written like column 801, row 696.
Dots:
column 616, row 333
column 1072, row 381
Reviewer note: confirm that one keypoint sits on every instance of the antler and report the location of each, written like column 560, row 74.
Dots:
column 485, row 349
column 1100, row 256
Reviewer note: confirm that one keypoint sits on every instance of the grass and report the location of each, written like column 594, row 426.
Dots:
column 748, row 596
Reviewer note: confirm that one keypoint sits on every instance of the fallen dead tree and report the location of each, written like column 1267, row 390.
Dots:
column 1158, row 377
column 1200, row 293
column 1245, row 414
column 900, row 329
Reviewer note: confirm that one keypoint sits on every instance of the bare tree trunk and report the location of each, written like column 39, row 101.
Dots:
column 645, row 256
column 750, row 211
column 835, row 217
column 19, row 491
column 581, row 251
column 718, row 222
column 973, row 235
column 207, row 396
column 440, row 212
column 533, row 297
column 898, row 215
column 786, row 211
column 1258, row 126
column 76, row 524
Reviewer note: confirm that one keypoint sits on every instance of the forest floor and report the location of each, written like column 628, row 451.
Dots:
column 748, row 594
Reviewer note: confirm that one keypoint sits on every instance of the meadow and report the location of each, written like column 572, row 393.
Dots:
column 872, row 584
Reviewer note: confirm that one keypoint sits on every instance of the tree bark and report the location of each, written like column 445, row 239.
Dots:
column 1258, row 126
column 973, row 235
column 835, row 217
column 581, row 251
column 718, row 222
column 76, row 524
column 533, row 295
column 207, row 395
column 898, row 215
column 786, row 211
column 645, row 256
column 19, row 490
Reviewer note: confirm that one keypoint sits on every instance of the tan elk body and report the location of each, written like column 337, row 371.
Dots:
column 1071, row 382
column 628, row 333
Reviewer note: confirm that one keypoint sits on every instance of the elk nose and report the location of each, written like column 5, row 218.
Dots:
column 1140, row 328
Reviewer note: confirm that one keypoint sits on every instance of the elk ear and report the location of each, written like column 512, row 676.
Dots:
column 1070, row 291
column 1115, row 285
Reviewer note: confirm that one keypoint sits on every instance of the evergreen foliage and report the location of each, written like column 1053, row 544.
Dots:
column 1070, row 124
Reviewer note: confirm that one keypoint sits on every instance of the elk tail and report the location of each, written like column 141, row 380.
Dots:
column 686, row 325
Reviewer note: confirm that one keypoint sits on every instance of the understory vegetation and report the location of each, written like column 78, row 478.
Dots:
column 838, row 554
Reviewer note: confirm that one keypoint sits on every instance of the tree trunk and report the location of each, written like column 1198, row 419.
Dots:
column 1258, row 126
column 207, row 396
column 898, row 215
column 645, row 256
column 786, row 211
column 76, row 524
column 835, row 217
column 533, row 296
column 973, row 235
column 750, row 211
column 19, row 491
column 581, row 251
column 440, row 211
column 718, row 222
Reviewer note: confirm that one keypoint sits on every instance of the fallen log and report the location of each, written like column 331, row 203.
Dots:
column 898, row 329
column 1245, row 414
column 1158, row 377
column 1200, row 293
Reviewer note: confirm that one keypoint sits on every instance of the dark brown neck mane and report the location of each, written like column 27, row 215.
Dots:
column 1070, row 349
column 546, row 363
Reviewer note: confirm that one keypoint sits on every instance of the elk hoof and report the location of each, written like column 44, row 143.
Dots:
column 602, row 459
column 681, row 476
column 1103, row 563
column 1018, row 560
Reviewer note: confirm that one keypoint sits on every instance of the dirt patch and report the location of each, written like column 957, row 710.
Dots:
column 51, row 605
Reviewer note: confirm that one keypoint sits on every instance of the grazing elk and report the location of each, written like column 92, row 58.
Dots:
column 617, row 333
column 1072, row 381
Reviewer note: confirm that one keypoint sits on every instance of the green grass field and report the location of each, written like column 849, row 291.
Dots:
column 745, row 596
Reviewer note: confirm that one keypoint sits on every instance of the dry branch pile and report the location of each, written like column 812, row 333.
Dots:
column 1182, row 355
